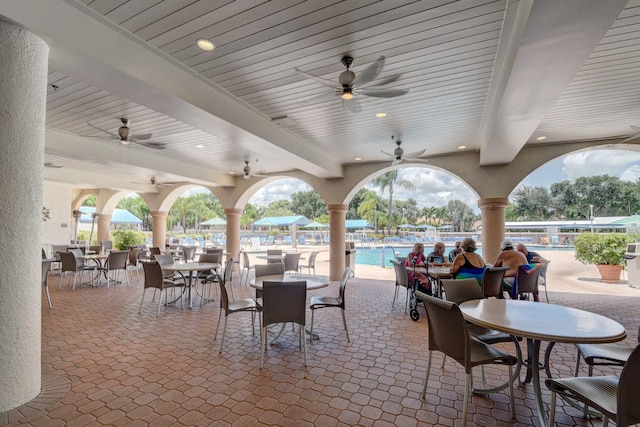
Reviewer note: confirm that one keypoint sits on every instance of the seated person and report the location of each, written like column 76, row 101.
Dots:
column 437, row 257
column 468, row 264
column 416, row 258
column 510, row 258
column 455, row 251
column 532, row 257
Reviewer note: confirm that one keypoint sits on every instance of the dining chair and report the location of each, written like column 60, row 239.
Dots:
column 326, row 301
column 154, row 278
column 311, row 264
column 527, row 282
column 207, row 277
column 236, row 306
column 291, row 262
column 492, row 282
column 448, row 334
column 274, row 252
column 117, row 261
column 273, row 271
column 402, row 281
column 189, row 253
column 461, row 290
column 71, row 263
column 283, row 302
column 542, row 279
column 107, row 245
column 134, row 261
column 46, row 266
column 153, row 251
column 245, row 267
column 615, row 397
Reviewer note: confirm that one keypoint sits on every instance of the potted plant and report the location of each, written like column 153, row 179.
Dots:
column 604, row 250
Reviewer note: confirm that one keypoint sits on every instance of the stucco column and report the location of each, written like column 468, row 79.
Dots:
column 233, row 232
column 337, row 216
column 23, row 92
column 159, row 221
column 104, row 224
column 492, row 211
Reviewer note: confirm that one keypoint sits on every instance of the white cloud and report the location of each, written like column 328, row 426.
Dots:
column 278, row 190
column 600, row 162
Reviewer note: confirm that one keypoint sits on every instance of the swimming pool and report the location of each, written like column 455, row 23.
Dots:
column 381, row 256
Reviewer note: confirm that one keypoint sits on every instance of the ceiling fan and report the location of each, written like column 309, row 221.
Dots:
column 154, row 181
column 51, row 165
column 125, row 136
column 350, row 86
column 399, row 156
column 636, row 135
column 246, row 171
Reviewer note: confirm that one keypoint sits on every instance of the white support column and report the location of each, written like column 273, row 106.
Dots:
column 337, row 215
column 492, row 211
column 23, row 92
column 159, row 219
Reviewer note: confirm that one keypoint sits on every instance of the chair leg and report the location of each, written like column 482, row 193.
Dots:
column 166, row 297
column 311, row 332
column 215, row 337
column 552, row 411
column 577, row 364
column 395, row 295
column 426, row 379
column 263, row 344
column 344, row 320
column 143, row 292
column 511, row 399
column 224, row 331
column 465, row 406
column 304, row 344
column 46, row 288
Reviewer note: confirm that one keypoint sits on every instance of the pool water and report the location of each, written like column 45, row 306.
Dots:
column 382, row 256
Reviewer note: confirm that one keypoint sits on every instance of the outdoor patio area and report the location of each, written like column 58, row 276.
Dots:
column 105, row 364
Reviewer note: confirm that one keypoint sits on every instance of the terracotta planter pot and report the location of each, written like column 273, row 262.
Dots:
column 610, row 273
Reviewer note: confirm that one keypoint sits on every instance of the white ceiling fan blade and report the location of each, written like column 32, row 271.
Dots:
column 369, row 73
column 388, row 154
column 141, row 136
column 416, row 160
column 388, row 80
column 318, row 98
column 636, row 129
column 351, row 105
column 396, row 162
column 383, row 93
column 317, row 79
column 111, row 134
column 52, row 165
column 414, row 154
column 154, row 145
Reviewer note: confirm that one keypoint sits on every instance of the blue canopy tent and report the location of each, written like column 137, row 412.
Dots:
column 357, row 224
column 213, row 222
column 119, row 217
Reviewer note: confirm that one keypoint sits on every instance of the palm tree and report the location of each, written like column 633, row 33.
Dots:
column 369, row 208
column 388, row 181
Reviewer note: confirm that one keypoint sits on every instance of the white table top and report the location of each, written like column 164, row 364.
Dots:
column 539, row 321
column 313, row 282
column 191, row 266
column 94, row 256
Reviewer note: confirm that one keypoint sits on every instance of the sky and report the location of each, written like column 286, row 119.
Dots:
column 437, row 188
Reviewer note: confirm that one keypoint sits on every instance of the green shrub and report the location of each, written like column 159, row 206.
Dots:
column 601, row 248
column 123, row 238
column 84, row 235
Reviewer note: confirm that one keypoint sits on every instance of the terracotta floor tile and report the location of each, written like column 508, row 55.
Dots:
column 125, row 368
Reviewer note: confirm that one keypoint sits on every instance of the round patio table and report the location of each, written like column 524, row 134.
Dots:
column 538, row 322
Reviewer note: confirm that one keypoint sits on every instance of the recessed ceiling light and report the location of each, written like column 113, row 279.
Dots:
column 205, row 44
column 199, row 146
column 541, row 138
column 381, row 115
column 461, row 147
column 357, row 159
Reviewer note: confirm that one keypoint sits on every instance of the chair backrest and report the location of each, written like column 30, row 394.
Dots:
column 291, row 262
column 164, row 259
column 527, row 279
column 209, row 258
column 153, row 276
column 274, row 251
column 68, row 260
column 189, row 252
column 269, row 270
column 476, row 273
column 46, row 265
column 77, row 253
column 134, row 256
column 106, row 244
column 118, row 260
column 629, row 390
column 284, row 302
column 492, row 282
column 95, row 249
column 461, row 290
column 154, row 250
column 246, row 263
column 44, row 254
column 346, row 275
column 312, row 259
column 543, row 269
column 402, row 277
column 447, row 329
column 215, row 251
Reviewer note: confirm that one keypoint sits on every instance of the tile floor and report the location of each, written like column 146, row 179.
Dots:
column 105, row 364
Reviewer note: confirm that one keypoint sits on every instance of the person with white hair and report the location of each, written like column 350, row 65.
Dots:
column 510, row 258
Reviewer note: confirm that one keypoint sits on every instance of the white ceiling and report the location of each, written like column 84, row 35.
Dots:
column 491, row 75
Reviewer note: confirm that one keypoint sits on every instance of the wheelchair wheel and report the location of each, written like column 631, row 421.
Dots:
column 414, row 314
